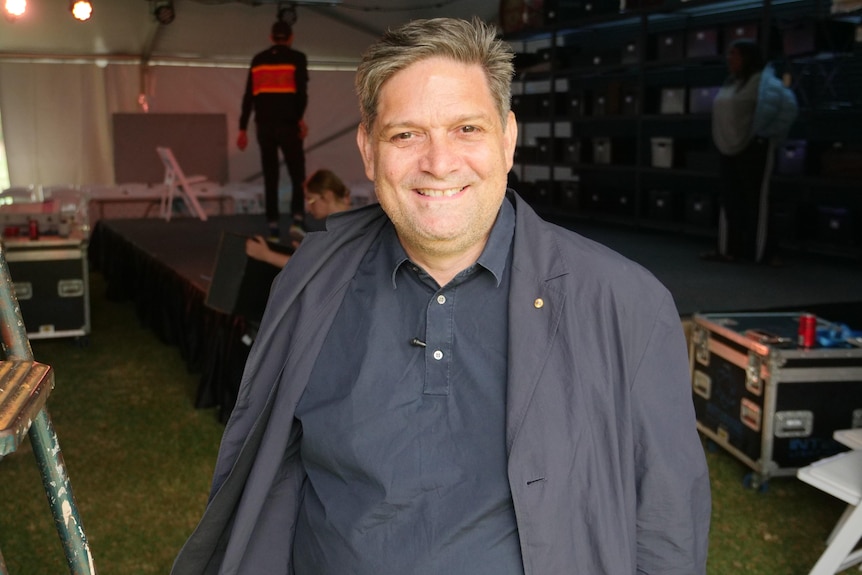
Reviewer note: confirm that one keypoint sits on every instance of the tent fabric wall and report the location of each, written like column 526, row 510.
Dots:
column 55, row 127
column 57, row 117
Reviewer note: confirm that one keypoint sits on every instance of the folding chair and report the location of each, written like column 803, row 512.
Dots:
column 24, row 388
column 176, row 181
column 841, row 477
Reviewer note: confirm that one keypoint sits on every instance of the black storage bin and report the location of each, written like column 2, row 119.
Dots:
column 700, row 99
column 812, row 36
column 545, row 105
column 597, row 199
column 700, row 209
column 567, row 196
column 550, row 150
column 840, row 160
column 661, row 205
column 670, row 46
column 556, row 57
column 739, row 31
column 835, row 225
column 702, row 43
column 600, row 106
column 606, row 58
column 525, row 105
column 572, row 151
column 576, row 105
column 616, row 151
column 542, row 193
column 629, row 101
column 631, row 52
column 622, row 201
column 791, row 158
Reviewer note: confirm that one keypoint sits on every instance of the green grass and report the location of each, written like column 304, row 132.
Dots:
column 140, row 459
column 139, row 456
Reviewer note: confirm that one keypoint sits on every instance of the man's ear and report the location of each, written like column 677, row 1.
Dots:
column 366, row 150
column 510, row 139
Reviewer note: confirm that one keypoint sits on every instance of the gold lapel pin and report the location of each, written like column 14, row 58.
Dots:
column 538, row 303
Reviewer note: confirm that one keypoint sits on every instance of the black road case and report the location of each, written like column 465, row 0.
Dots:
column 767, row 401
column 51, row 283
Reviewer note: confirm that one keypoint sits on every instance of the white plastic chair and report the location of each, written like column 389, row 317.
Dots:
column 177, row 182
column 841, row 477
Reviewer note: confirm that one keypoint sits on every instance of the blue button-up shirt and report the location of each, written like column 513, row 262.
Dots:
column 404, row 422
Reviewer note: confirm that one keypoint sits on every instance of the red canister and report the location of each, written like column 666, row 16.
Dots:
column 807, row 329
column 34, row 230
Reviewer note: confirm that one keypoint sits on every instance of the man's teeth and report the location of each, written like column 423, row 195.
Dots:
column 439, row 193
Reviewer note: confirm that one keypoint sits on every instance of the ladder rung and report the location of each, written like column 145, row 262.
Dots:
column 24, row 389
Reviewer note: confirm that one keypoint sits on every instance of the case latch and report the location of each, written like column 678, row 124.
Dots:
column 700, row 338
column 753, row 383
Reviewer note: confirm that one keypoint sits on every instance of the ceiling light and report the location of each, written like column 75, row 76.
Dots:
column 81, row 9
column 164, row 12
column 286, row 13
column 15, row 8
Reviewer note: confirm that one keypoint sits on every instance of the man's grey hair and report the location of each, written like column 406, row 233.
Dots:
column 472, row 42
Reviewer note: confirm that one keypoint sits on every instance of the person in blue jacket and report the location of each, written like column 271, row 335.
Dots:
column 752, row 113
column 445, row 382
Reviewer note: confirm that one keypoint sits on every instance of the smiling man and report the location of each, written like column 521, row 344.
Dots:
column 445, row 383
column 438, row 153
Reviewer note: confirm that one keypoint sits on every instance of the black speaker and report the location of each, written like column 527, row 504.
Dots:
column 240, row 284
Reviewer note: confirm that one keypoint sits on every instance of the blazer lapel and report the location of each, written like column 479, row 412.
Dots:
column 536, row 302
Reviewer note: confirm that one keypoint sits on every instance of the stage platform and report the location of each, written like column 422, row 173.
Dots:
column 165, row 269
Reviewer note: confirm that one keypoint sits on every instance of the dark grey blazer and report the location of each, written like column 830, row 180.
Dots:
column 607, row 472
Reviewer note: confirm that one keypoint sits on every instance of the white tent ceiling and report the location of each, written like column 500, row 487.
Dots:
column 220, row 31
column 128, row 63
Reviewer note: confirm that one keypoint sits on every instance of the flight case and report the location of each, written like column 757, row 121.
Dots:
column 767, row 401
column 51, row 283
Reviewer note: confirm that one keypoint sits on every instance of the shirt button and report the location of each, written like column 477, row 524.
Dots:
column 441, row 299
column 438, row 355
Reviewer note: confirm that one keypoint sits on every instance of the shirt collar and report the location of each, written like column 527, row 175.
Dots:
column 493, row 257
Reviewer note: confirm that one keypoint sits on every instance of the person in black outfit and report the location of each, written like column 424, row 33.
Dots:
column 277, row 91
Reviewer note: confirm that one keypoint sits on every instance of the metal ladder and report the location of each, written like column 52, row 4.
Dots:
column 24, row 388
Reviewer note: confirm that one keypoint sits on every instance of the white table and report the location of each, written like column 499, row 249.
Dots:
column 852, row 438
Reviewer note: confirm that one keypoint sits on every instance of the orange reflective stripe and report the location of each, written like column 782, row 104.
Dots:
column 272, row 79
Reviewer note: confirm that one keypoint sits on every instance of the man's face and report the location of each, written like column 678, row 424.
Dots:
column 439, row 156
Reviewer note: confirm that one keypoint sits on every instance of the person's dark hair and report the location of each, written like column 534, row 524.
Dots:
column 281, row 31
column 467, row 42
column 323, row 180
column 752, row 60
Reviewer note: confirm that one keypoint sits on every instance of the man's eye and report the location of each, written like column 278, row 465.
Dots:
column 469, row 129
column 402, row 136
